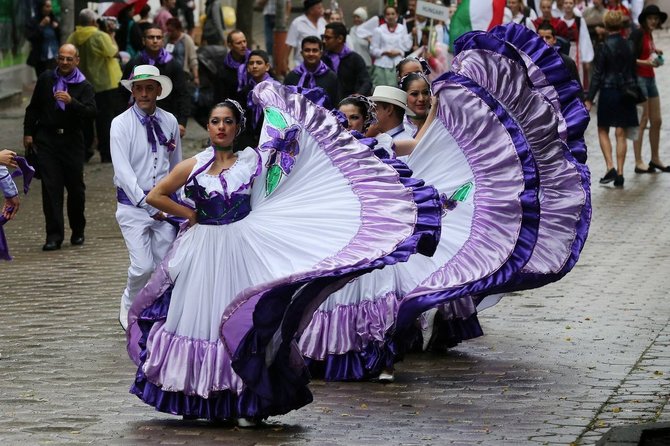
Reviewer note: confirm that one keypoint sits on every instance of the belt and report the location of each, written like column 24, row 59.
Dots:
column 122, row 197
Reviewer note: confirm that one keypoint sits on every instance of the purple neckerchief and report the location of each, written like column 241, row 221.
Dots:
column 162, row 58
column 335, row 58
column 75, row 77
column 239, row 67
column 152, row 124
column 309, row 77
column 28, row 172
column 251, row 105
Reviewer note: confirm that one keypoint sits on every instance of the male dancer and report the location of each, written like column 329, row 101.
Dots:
column 145, row 146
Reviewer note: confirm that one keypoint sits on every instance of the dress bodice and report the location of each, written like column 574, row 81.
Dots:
column 224, row 198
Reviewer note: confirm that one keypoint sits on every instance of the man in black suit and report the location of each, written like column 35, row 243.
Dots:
column 352, row 74
column 62, row 101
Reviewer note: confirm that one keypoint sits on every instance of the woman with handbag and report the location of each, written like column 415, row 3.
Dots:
column 613, row 76
column 648, row 57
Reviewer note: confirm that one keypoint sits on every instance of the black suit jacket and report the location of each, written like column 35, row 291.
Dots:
column 352, row 75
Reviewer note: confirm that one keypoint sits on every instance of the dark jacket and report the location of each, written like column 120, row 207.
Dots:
column 178, row 102
column 35, row 36
column 613, row 66
column 328, row 82
column 226, row 85
column 43, row 117
column 352, row 74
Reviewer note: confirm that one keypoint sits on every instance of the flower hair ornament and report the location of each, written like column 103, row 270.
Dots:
column 366, row 104
column 242, row 123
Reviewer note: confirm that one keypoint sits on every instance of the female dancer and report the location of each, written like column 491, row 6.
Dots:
column 418, row 92
column 212, row 331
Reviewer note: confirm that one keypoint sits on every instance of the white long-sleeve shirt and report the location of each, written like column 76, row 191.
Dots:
column 384, row 40
column 136, row 168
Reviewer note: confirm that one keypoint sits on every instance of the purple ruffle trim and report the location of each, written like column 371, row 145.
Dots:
column 423, row 298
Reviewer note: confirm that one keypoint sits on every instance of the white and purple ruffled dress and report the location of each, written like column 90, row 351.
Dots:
column 213, row 331
column 507, row 154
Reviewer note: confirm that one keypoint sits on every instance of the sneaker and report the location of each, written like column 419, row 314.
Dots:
column 618, row 182
column 427, row 331
column 610, row 176
column 246, row 422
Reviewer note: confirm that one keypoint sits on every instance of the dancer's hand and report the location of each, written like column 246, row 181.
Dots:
column 11, row 207
column 7, row 158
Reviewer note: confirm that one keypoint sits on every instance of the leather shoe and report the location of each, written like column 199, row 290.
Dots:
column 653, row 165
column 77, row 240
column 51, row 246
column 610, row 176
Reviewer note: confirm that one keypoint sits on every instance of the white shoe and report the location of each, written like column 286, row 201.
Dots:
column 246, row 422
column 386, row 376
column 123, row 318
column 427, row 331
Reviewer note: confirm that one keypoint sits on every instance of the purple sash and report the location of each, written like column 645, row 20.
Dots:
column 162, row 58
column 336, row 58
column 240, row 67
column 308, row 78
column 75, row 77
column 152, row 124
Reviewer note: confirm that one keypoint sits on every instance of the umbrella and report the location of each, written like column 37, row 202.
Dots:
column 117, row 7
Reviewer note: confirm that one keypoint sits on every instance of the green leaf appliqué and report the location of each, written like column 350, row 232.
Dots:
column 462, row 192
column 272, row 179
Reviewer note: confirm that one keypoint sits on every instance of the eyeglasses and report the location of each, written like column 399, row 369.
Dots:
column 153, row 37
column 65, row 59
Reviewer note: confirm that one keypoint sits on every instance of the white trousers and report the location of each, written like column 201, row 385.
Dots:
column 147, row 241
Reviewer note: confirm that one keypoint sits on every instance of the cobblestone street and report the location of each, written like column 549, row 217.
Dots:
column 559, row 365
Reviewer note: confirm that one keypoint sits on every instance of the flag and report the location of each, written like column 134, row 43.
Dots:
column 472, row 15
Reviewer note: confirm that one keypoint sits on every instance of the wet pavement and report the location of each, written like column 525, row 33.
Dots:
column 559, row 365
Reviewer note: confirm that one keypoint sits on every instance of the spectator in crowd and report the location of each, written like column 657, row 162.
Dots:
column 214, row 29
column 581, row 49
column 43, row 33
column 233, row 75
column 163, row 14
column 144, row 22
column 593, row 16
column 185, row 9
column 310, row 23
column 352, row 74
column 559, row 25
column 269, row 9
column 62, row 101
column 98, row 62
column 613, row 70
column 258, row 70
column 154, row 53
column 184, row 52
column 517, row 12
column 313, row 72
column 145, row 147
column 648, row 57
column 417, row 87
column 129, row 35
column 548, row 33
column 419, row 31
column 389, row 43
column 357, row 44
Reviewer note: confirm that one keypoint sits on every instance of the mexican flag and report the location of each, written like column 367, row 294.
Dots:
column 474, row 15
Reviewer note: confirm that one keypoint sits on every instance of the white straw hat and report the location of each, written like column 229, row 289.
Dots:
column 391, row 95
column 149, row 73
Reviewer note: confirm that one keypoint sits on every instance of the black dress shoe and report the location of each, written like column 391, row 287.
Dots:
column 610, row 176
column 51, row 246
column 77, row 240
column 618, row 182
column 647, row 170
column 653, row 165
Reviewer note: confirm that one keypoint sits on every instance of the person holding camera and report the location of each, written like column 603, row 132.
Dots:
column 649, row 57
